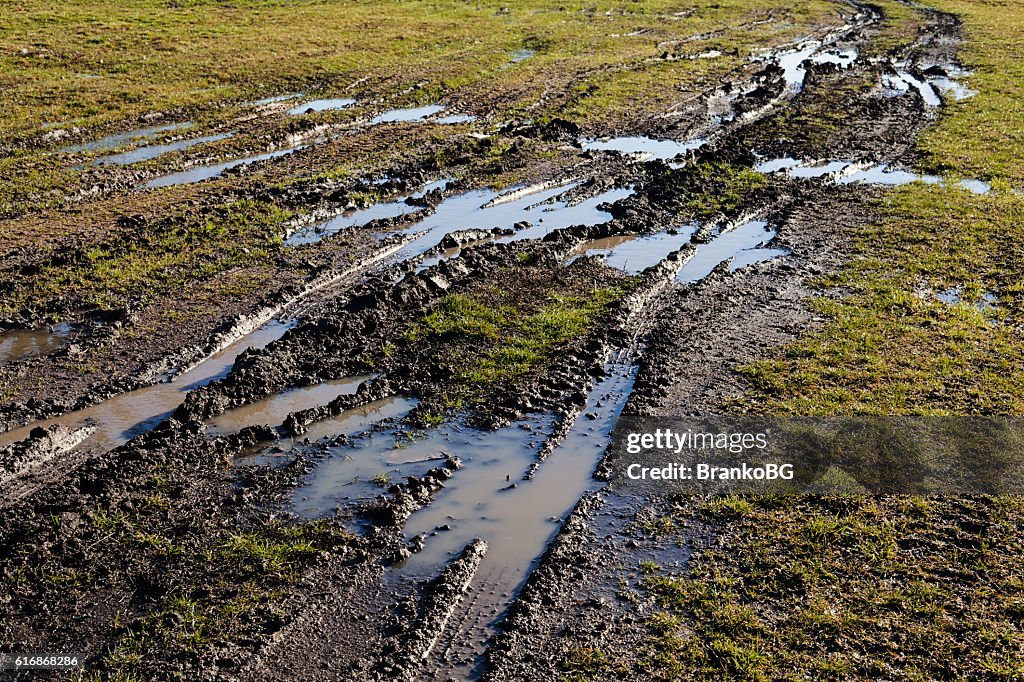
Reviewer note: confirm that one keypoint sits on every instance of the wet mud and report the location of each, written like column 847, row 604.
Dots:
column 387, row 460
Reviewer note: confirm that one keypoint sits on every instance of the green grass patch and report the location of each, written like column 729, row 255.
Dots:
column 145, row 262
column 856, row 588
column 496, row 338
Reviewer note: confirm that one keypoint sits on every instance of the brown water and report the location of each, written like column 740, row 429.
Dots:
column 27, row 343
column 517, row 522
column 349, row 422
column 125, row 416
column 273, row 410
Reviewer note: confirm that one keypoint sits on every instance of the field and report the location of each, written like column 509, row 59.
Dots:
column 316, row 317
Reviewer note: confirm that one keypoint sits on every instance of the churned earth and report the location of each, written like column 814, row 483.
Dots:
column 312, row 348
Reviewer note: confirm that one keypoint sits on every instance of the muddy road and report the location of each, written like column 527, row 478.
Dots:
column 372, row 445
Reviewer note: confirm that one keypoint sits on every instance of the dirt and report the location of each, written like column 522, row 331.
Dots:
column 162, row 559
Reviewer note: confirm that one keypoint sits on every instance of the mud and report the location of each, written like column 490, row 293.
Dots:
column 316, row 105
column 20, row 344
column 153, row 151
column 120, row 139
column 336, row 478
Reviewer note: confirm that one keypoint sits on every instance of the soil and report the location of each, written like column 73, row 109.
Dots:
column 166, row 559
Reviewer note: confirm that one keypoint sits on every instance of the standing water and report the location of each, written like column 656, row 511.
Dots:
column 125, row 416
column 29, row 343
column 517, row 521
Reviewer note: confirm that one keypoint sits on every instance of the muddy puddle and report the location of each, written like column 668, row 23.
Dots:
column 522, row 55
column 349, row 423
column 843, row 58
column 153, row 151
column 633, row 253
column 454, row 118
column 932, row 82
column 645, row 148
column 882, row 174
column 111, row 142
column 365, row 466
column 901, row 82
column 200, row 173
column 794, row 62
column 125, row 416
column 488, row 498
column 317, row 105
column 850, row 172
column 409, row 115
column 273, row 410
column 516, row 517
column 986, row 302
column 817, row 169
column 310, row 234
column 743, row 245
column 542, row 210
column 536, row 210
column 274, row 99
column 22, row 344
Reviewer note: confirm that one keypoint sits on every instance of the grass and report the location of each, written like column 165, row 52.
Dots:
column 835, row 588
column 503, row 336
column 100, row 66
column 888, row 345
column 93, row 62
column 148, row 261
column 724, row 189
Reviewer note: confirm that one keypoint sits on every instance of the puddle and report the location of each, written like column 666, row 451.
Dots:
column 127, row 415
column 849, row 172
column 882, row 174
column 200, row 173
column 793, row 62
column 955, row 296
column 936, row 79
column 634, row 254
column 843, row 58
column 952, row 88
column 774, row 165
column 486, row 209
column 744, row 244
column 976, row 186
column 517, row 518
column 22, row 344
column 407, row 115
column 901, row 82
column 522, row 55
column 793, row 70
column 645, row 147
column 454, row 118
column 348, row 423
column 483, row 209
column 364, row 467
column 516, row 522
column 559, row 214
column 310, row 234
column 817, row 169
column 272, row 410
column 153, row 151
column 357, row 419
column 116, row 140
column 316, row 105
column 275, row 98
